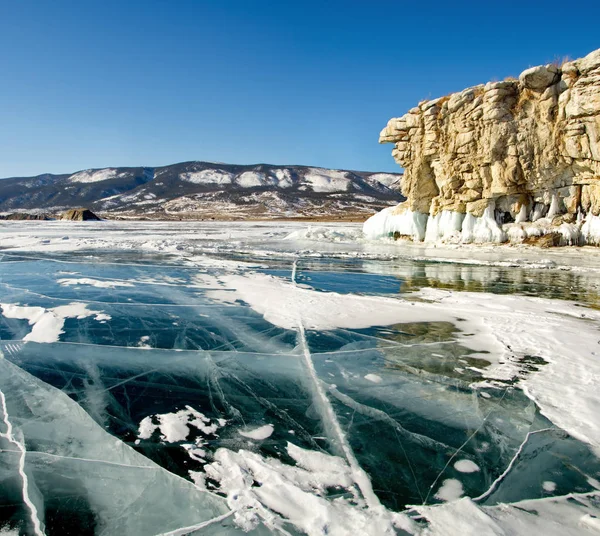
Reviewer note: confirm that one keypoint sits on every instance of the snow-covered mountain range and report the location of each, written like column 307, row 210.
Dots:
column 205, row 190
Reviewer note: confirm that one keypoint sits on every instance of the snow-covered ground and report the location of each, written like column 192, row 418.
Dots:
column 299, row 380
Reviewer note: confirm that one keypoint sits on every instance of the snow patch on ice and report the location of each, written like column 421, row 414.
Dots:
column 285, row 304
column 298, row 494
column 47, row 323
column 572, row 515
column 177, row 426
column 451, row 490
column 321, row 233
column 373, row 378
column 263, row 432
column 93, row 282
column 466, row 466
column 506, row 327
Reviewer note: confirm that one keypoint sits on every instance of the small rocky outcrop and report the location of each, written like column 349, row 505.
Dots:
column 79, row 214
column 523, row 150
column 23, row 216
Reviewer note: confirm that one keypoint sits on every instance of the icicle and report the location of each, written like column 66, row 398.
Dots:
column 522, row 215
column 538, row 211
column 554, row 210
column 590, row 230
column 444, row 225
column 483, row 229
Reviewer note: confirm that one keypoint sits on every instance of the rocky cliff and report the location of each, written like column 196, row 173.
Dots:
column 502, row 161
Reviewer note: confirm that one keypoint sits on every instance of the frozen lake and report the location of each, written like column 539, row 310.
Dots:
column 271, row 378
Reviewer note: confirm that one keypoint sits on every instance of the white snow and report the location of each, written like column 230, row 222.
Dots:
column 549, row 486
column 450, row 490
column 176, row 427
column 260, row 433
column 207, row 176
column 387, row 179
column 298, row 494
column 466, row 466
column 33, row 314
column 284, row 178
column 328, row 180
column 250, row 179
column 320, row 233
column 143, row 342
column 503, row 325
column 93, row 282
column 91, row 175
column 555, row 516
column 373, row 378
column 286, row 305
column 47, row 323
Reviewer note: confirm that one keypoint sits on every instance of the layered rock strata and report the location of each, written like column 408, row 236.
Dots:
column 502, row 161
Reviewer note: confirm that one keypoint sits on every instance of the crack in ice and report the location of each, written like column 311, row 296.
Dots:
column 8, row 435
column 510, row 465
column 187, row 530
column 359, row 475
column 462, row 447
column 91, row 460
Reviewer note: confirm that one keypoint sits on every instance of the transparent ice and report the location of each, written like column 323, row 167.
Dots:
column 179, row 408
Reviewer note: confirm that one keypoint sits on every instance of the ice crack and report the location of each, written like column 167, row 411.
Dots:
column 9, row 436
column 359, row 475
column 187, row 530
column 510, row 465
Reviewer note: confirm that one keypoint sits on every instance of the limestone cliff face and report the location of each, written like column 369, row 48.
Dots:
column 530, row 148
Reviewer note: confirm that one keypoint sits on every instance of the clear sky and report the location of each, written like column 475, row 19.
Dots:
column 125, row 83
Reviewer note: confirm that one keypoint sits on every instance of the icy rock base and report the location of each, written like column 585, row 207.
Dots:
column 387, row 222
column 454, row 227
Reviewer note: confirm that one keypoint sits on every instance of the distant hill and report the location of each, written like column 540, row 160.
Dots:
column 205, row 190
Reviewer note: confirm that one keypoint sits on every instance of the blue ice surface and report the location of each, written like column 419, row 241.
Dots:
column 169, row 345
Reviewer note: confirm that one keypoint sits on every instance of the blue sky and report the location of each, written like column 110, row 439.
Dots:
column 94, row 84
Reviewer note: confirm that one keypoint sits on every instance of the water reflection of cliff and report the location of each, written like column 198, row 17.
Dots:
column 544, row 283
